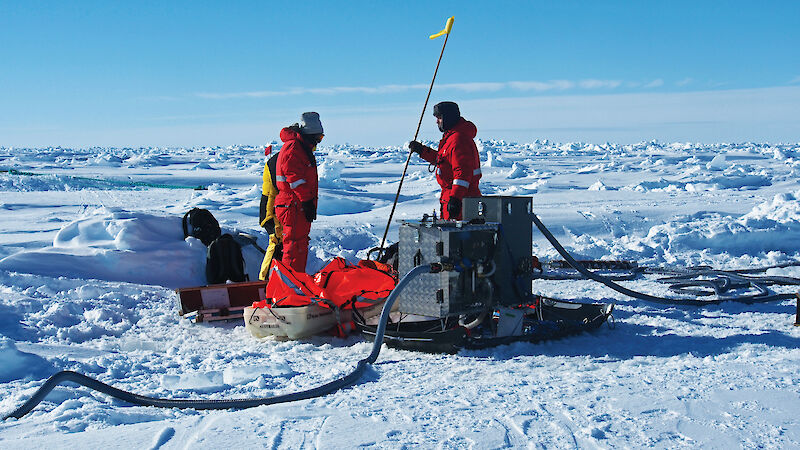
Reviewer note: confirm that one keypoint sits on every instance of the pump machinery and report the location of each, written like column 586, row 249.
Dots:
column 490, row 253
column 484, row 297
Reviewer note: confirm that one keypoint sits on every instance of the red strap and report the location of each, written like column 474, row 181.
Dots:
column 261, row 304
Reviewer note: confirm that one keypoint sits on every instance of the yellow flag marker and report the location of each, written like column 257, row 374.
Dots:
column 446, row 28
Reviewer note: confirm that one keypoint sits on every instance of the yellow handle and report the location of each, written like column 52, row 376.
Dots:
column 447, row 28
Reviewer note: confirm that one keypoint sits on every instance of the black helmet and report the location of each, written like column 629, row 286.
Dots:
column 448, row 112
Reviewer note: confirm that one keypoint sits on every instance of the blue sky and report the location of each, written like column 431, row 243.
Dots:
column 169, row 73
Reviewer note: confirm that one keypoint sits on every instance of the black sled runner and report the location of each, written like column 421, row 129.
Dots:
column 546, row 319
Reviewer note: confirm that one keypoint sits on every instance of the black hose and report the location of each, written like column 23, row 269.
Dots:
column 573, row 276
column 725, row 279
column 747, row 299
column 327, row 388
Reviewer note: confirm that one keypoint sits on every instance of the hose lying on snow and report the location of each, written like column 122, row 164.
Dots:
column 335, row 385
column 704, row 281
column 762, row 296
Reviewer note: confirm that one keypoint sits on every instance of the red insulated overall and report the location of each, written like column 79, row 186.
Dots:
column 296, row 176
column 458, row 168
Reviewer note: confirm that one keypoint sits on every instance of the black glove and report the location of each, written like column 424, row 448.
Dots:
column 270, row 226
column 310, row 210
column 454, row 207
column 416, row 147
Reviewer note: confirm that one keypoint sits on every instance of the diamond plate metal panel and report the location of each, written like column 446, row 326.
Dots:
column 446, row 293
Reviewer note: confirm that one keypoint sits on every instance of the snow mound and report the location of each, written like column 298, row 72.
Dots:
column 594, row 168
column 330, row 175
column 116, row 245
column 517, row 171
column 718, row 163
column 598, row 186
column 493, row 159
column 783, row 209
column 524, row 189
column 772, row 226
column 660, row 185
column 742, row 182
column 17, row 365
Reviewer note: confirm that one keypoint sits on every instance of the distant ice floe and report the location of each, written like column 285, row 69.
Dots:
column 659, row 185
column 591, row 169
column 330, row 175
column 493, row 159
column 718, row 163
column 350, row 243
column 694, row 179
column 218, row 196
column 517, row 171
column 43, row 182
column 106, row 159
column 148, row 160
column 202, row 166
column 745, row 182
column 391, row 154
column 525, row 189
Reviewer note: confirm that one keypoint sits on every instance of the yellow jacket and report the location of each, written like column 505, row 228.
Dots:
column 269, row 191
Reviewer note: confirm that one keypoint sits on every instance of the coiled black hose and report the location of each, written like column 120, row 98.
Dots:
column 761, row 297
column 327, row 388
column 721, row 281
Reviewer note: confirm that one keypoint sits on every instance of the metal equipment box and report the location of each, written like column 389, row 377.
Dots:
column 514, row 265
column 446, row 293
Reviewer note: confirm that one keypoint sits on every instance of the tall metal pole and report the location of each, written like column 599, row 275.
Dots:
column 405, row 169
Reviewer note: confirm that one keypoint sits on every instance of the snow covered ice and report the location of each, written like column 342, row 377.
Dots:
column 88, row 268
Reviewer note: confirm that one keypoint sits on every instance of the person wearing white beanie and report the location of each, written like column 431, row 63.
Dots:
column 297, row 182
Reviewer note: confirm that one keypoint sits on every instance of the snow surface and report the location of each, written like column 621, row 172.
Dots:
column 88, row 268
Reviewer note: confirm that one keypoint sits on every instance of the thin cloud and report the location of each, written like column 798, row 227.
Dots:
column 556, row 85
column 655, row 83
column 255, row 94
column 683, row 82
column 387, row 89
column 473, row 87
column 599, row 84
column 796, row 80
column 538, row 86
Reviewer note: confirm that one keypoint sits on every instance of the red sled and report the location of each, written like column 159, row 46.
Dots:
column 219, row 301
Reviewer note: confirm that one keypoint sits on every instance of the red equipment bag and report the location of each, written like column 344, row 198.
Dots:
column 339, row 285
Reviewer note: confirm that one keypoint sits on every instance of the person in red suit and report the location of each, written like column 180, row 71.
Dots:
column 297, row 182
column 458, row 166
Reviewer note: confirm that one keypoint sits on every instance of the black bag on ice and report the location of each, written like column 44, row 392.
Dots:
column 224, row 261
column 200, row 223
column 390, row 256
